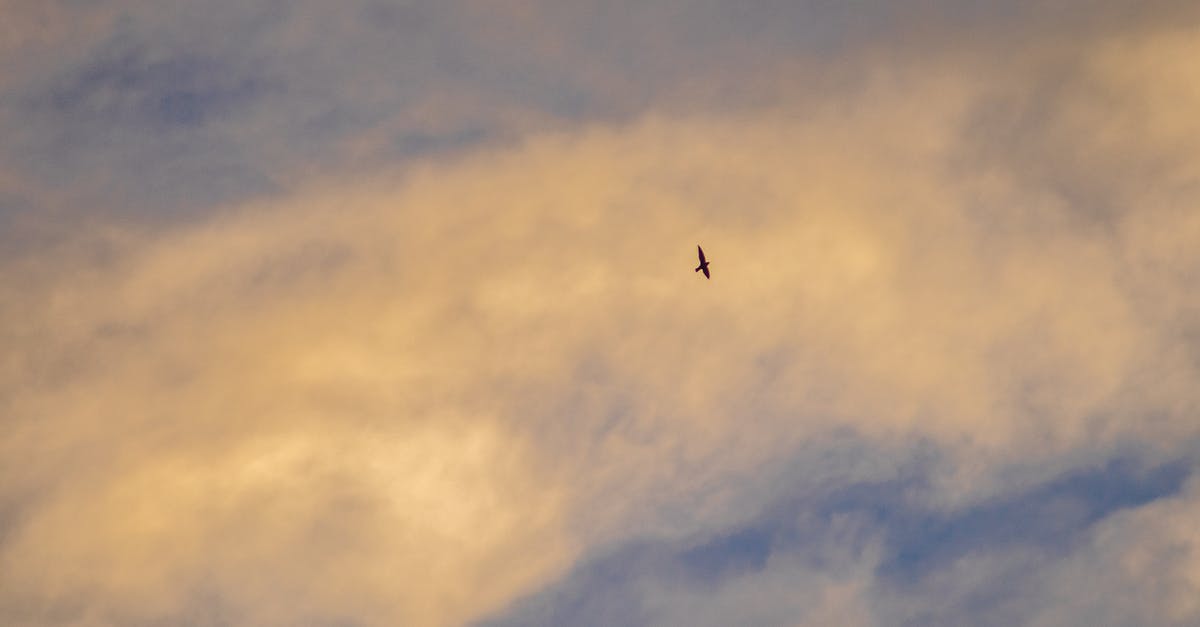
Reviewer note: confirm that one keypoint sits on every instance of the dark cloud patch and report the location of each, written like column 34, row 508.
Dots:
column 744, row 550
column 572, row 61
column 415, row 144
column 178, row 110
column 142, row 128
column 128, row 84
column 15, row 208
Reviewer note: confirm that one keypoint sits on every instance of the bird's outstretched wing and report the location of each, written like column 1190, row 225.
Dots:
column 706, row 274
column 701, row 252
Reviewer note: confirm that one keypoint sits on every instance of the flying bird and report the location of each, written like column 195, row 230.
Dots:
column 703, row 263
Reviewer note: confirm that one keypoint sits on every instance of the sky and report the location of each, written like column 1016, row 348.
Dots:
column 384, row 313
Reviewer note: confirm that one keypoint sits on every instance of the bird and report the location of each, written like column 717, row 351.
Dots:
column 703, row 263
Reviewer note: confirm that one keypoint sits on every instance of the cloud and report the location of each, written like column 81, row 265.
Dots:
column 870, row 549
column 255, row 97
column 420, row 388
column 417, row 364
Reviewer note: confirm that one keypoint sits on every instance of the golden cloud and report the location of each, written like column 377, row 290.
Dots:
column 412, row 397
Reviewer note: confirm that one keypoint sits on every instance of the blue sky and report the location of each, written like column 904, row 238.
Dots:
column 384, row 313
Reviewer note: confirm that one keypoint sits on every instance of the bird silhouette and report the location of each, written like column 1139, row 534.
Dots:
column 703, row 263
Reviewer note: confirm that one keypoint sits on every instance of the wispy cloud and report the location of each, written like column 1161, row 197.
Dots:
column 384, row 314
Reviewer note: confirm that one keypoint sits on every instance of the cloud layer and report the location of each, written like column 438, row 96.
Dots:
column 386, row 315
